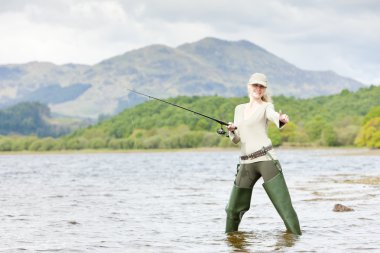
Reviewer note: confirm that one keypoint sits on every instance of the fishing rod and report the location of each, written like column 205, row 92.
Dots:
column 220, row 131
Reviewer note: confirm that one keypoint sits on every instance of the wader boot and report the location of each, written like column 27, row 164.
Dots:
column 239, row 203
column 279, row 195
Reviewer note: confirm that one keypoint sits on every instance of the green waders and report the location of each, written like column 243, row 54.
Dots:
column 239, row 203
column 275, row 186
column 279, row 195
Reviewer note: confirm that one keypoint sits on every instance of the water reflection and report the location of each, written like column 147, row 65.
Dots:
column 251, row 242
column 286, row 240
column 238, row 241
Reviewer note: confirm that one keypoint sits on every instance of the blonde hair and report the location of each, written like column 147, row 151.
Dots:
column 266, row 98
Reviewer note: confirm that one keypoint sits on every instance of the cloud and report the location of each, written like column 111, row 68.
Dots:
column 319, row 35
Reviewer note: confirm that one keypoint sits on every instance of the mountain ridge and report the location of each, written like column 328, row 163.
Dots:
column 205, row 67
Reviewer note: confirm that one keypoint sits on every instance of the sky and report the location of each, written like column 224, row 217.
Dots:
column 339, row 35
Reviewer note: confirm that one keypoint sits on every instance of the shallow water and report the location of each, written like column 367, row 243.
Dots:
column 174, row 202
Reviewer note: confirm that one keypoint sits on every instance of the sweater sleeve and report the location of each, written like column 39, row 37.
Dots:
column 235, row 136
column 273, row 116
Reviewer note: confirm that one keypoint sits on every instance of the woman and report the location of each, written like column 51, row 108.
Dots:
column 258, row 158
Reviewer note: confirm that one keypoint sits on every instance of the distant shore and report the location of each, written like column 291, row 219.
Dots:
column 340, row 151
column 117, row 151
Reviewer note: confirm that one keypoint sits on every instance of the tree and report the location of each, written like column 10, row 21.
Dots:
column 5, row 144
column 329, row 136
column 274, row 135
column 372, row 113
column 289, row 132
column 369, row 135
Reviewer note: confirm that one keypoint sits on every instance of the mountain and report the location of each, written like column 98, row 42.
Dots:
column 206, row 67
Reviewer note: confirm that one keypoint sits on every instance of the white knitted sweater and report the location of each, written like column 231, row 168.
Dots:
column 252, row 130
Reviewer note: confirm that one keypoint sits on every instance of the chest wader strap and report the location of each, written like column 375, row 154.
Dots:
column 276, row 163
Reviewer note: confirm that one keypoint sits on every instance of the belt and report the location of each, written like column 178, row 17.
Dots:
column 256, row 154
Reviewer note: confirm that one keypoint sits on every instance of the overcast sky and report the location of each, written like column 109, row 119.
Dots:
column 338, row 35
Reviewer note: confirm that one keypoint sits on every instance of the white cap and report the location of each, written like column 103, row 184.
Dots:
column 258, row 78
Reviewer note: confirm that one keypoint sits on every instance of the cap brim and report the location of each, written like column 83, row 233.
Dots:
column 259, row 82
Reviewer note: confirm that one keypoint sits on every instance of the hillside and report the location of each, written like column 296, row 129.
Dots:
column 344, row 119
column 206, row 67
column 328, row 120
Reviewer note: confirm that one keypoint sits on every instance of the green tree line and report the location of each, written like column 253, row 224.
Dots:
column 29, row 118
column 34, row 118
column 344, row 119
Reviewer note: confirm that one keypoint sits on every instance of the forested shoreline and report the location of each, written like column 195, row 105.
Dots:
column 344, row 119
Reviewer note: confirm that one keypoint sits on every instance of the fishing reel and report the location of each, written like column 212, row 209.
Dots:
column 222, row 132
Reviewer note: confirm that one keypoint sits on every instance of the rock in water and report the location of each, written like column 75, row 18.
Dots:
column 73, row 222
column 342, row 208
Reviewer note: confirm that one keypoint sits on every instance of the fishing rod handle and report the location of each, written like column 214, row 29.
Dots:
column 230, row 123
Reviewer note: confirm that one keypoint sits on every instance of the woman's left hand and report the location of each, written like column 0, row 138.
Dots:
column 284, row 118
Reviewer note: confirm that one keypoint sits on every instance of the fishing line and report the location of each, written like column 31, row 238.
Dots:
column 220, row 131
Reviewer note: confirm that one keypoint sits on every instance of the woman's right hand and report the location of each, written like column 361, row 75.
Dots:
column 231, row 127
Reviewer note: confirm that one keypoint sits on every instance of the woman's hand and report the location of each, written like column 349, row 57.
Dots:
column 284, row 118
column 231, row 127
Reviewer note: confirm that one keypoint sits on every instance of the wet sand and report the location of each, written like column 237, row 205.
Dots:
column 364, row 180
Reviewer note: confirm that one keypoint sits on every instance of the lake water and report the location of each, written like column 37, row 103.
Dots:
column 174, row 202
